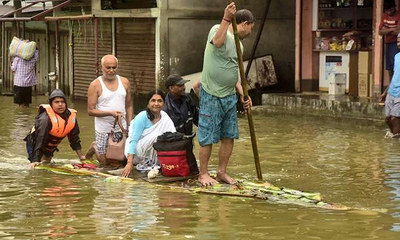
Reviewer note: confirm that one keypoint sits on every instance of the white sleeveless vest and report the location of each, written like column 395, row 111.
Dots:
column 110, row 101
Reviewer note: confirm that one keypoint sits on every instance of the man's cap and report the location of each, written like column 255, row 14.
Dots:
column 175, row 79
column 57, row 93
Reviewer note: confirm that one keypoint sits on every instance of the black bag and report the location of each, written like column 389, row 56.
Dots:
column 30, row 144
column 172, row 142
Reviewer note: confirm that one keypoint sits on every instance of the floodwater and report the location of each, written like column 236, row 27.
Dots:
column 348, row 161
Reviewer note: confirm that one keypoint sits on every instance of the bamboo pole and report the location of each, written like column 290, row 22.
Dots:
column 83, row 171
column 18, row 29
column 57, row 43
column 70, row 57
column 46, row 53
column 96, row 45
column 23, row 30
column 3, row 54
column 113, row 39
column 246, row 96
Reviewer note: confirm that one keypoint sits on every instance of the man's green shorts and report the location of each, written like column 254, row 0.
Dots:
column 217, row 118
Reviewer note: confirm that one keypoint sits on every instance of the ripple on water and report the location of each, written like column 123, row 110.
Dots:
column 346, row 162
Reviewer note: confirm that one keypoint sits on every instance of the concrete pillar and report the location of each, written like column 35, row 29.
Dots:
column 377, row 52
column 162, row 32
column 297, row 83
column 307, row 64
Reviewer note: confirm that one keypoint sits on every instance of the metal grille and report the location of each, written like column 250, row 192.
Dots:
column 84, row 52
column 135, row 49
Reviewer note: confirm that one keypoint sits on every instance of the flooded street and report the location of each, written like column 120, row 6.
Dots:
column 348, row 161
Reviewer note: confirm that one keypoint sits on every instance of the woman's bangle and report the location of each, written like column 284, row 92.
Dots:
column 226, row 20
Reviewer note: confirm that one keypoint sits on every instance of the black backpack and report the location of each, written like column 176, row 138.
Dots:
column 30, row 143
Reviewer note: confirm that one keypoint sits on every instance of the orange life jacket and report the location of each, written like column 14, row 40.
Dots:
column 60, row 128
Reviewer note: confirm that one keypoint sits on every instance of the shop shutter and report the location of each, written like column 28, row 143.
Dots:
column 135, row 49
column 44, row 52
column 84, row 52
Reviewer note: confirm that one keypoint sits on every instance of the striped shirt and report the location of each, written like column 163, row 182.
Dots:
column 25, row 72
column 390, row 22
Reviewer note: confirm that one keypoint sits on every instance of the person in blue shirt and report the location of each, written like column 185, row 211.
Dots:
column 392, row 94
column 143, row 132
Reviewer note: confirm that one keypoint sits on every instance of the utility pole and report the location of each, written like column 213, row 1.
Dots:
column 17, row 5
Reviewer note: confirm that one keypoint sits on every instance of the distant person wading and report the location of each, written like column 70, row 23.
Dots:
column 54, row 122
column 24, row 78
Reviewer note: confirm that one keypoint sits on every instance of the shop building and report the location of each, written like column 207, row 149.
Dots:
column 152, row 39
column 338, row 47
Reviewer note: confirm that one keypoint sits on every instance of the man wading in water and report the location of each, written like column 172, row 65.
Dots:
column 392, row 95
column 54, row 122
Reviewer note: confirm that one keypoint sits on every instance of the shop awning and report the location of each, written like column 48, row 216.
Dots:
column 32, row 5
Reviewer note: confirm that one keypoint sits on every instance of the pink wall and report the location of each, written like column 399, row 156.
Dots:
column 306, row 41
column 309, row 61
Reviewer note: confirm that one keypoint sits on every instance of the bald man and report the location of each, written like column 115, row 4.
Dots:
column 109, row 98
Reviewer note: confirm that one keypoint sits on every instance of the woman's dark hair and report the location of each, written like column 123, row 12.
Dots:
column 150, row 115
column 244, row 15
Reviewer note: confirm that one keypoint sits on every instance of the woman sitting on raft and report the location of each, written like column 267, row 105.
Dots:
column 143, row 132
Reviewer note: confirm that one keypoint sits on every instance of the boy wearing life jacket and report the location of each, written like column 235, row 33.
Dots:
column 53, row 123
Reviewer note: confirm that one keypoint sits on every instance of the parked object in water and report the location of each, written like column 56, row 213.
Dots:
column 243, row 189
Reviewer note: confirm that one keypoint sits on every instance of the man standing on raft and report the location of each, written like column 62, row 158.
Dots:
column 219, row 85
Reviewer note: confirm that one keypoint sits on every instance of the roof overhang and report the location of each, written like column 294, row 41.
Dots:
column 77, row 17
column 38, row 16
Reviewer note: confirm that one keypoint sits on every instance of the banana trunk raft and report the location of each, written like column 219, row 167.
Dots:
column 246, row 189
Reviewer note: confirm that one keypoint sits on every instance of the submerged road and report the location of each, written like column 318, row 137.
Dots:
column 349, row 162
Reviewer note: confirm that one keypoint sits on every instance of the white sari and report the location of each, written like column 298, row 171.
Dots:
column 146, row 156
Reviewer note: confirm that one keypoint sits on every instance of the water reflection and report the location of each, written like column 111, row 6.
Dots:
column 391, row 164
column 347, row 162
column 112, row 211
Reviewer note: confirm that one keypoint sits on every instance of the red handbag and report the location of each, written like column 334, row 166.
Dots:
column 173, row 163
